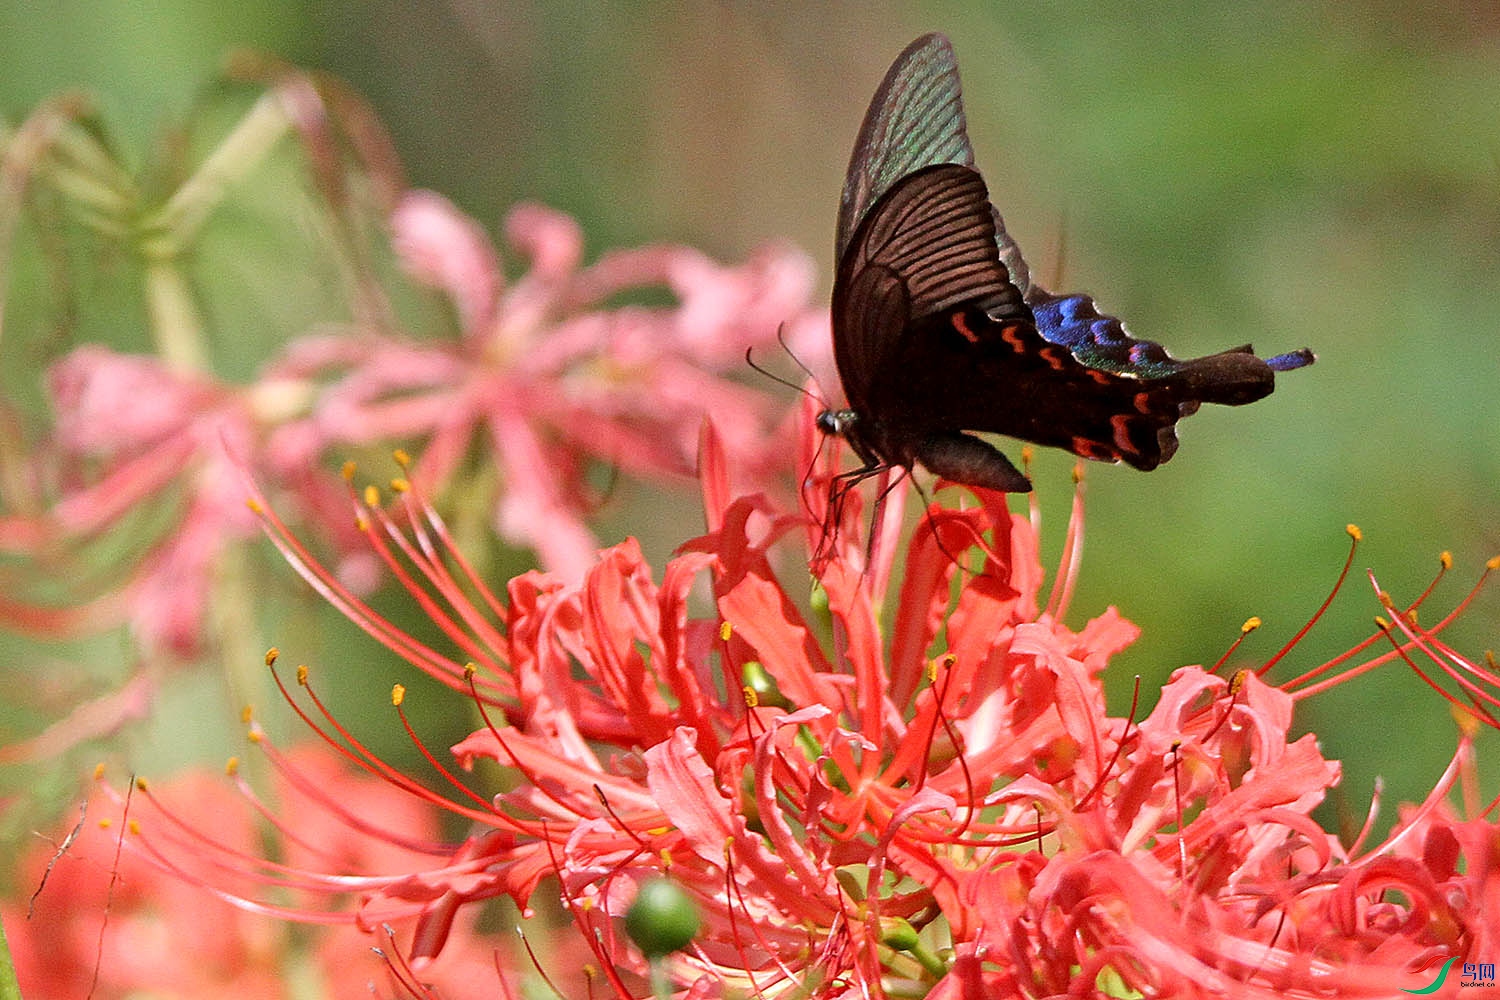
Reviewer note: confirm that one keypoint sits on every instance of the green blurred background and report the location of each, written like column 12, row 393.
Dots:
column 1291, row 174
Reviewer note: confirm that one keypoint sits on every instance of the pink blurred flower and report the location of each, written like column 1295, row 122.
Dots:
column 135, row 500
column 128, row 432
column 940, row 806
column 557, row 369
column 147, row 456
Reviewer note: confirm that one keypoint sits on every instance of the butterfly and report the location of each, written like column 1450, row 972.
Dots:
column 938, row 328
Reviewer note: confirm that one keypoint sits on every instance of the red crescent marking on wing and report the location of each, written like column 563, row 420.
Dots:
column 1142, row 402
column 1121, row 423
column 961, row 324
column 1095, row 450
column 1103, row 378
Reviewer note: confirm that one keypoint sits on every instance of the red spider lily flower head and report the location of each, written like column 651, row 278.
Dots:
column 134, row 435
column 135, row 499
column 551, row 374
column 925, row 796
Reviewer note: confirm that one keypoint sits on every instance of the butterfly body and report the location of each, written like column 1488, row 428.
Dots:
column 938, row 329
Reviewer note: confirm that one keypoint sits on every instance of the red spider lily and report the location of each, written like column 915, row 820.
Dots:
column 138, row 498
column 940, row 806
column 549, row 374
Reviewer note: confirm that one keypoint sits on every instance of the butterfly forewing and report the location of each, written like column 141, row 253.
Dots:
column 915, row 120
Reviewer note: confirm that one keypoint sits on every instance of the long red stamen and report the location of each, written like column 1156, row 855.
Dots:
column 1251, row 624
column 1355, row 535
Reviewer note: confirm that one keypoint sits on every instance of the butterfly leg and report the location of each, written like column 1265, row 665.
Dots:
column 966, row 459
column 839, row 488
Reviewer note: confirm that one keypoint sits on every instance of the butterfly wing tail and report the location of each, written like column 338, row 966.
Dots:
column 1291, row 360
column 1236, row 377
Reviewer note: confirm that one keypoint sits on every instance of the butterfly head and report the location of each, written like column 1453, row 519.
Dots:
column 837, row 423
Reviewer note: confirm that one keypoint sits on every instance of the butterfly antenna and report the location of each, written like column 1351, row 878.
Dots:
column 776, row 378
column 781, row 339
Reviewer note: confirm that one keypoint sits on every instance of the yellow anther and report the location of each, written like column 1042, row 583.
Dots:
column 1251, row 624
column 347, row 471
column 402, row 458
column 1468, row 722
column 1354, row 532
column 271, row 655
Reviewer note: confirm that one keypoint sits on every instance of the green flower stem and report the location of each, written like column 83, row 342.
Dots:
column 661, row 983
column 174, row 317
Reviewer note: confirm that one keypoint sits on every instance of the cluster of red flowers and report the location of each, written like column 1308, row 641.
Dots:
column 943, row 807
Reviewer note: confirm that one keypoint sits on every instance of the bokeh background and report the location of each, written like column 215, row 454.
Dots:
column 1322, row 174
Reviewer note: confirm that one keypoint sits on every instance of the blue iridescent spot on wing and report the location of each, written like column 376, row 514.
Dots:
column 1097, row 340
